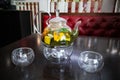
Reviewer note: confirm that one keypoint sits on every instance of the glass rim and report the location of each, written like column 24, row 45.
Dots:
column 22, row 48
column 93, row 52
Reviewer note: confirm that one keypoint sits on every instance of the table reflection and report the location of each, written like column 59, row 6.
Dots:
column 87, row 76
column 57, row 72
column 106, row 45
column 113, row 46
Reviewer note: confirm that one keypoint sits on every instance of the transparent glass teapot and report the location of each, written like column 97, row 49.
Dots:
column 58, row 39
column 58, row 33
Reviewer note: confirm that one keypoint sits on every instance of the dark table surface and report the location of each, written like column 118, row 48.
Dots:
column 42, row 69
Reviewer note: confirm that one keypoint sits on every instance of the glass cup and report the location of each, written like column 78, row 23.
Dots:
column 22, row 56
column 90, row 61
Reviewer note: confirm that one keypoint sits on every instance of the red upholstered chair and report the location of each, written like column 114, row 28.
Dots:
column 93, row 24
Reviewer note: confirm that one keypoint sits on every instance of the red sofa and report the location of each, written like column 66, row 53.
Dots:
column 93, row 24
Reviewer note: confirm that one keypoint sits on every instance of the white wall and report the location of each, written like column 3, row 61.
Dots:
column 44, row 5
column 108, row 5
column 117, row 6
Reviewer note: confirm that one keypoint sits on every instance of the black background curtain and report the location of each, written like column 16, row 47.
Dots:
column 5, row 4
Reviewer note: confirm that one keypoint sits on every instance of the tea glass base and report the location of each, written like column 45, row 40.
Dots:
column 58, row 54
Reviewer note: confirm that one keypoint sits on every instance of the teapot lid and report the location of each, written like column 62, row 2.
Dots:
column 57, row 18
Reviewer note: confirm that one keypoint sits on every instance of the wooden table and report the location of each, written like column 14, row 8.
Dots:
column 42, row 69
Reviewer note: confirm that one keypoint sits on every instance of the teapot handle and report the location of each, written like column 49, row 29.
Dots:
column 34, row 20
column 76, row 26
column 47, row 22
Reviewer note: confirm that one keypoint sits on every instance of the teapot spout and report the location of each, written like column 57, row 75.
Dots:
column 76, row 27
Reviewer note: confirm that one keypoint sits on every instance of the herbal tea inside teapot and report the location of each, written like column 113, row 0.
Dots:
column 58, row 38
column 58, row 33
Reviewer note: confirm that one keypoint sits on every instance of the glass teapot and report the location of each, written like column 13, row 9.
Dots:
column 58, row 39
column 58, row 33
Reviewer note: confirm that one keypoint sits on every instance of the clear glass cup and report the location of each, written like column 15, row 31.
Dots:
column 22, row 56
column 91, row 61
